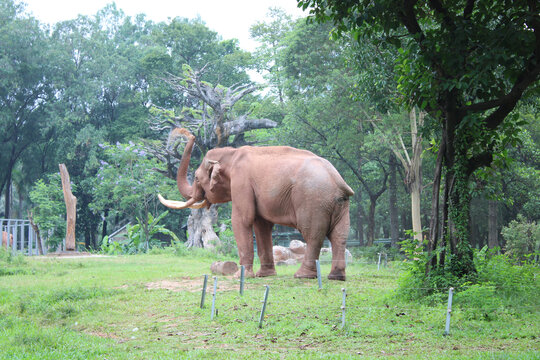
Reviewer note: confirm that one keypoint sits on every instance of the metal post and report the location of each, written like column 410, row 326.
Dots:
column 449, row 311
column 242, row 278
column 214, row 299
column 203, row 295
column 318, row 264
column 343, row 308
column 379, row 262
column 261, row 318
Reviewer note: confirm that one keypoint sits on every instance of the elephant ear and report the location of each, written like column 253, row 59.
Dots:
column 215, row 175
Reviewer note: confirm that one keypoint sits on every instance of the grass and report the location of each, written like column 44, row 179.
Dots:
column 147, row 307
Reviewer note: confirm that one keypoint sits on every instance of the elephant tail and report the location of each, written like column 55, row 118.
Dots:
column 345, row 189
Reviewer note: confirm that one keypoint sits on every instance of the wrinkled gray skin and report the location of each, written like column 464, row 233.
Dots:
column 267, row 186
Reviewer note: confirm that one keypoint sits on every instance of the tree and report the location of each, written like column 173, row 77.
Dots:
column 25, row 89
column 49, row 210
column 467, row 63
column 127, row 184
column 268, row 55
column 216, row 124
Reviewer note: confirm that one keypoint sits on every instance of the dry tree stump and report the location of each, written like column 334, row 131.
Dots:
column 71, row 208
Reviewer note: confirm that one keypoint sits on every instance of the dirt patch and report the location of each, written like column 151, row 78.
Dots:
column 71, row 255
column 193, row 285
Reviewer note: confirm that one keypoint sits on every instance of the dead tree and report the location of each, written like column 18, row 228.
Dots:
column 214, row 124
column 71, row 208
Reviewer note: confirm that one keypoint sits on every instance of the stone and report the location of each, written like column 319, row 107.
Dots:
column 287, row 262
column 224, row 268
column 298, row 247
column 281, row 253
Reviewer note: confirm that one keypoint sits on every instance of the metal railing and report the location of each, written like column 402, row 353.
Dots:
column 19, row 236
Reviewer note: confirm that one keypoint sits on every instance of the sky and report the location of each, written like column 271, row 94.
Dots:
column 229, row 18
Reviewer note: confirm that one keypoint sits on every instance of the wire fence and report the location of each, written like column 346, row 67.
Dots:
column 344, row 302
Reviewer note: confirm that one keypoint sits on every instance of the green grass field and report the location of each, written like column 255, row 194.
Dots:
column 147, row 307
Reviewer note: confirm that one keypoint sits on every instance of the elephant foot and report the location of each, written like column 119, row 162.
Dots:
column 337, row 276
column 306, row 273
column 266, row 271
column 247, row 274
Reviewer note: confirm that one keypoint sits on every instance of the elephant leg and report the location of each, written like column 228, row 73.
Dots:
column 263, row 235
column 242, row 225
column 338, row 239
column 314, row 239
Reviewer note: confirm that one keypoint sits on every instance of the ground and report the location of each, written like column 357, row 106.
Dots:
column 148, row 307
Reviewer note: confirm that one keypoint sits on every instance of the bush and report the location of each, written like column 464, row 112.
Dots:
column 370, row 254
column 522, row 239
column 499, row 284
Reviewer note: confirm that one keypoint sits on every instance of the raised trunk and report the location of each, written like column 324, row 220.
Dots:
column 181, row 176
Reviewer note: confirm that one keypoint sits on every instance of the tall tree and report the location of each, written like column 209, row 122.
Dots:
column 25, row 89
column 467, row 63
column 216, row 124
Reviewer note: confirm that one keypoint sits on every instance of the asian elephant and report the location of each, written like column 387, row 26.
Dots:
column 267, row 186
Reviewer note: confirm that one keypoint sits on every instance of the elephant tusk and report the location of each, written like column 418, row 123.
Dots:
column 181, row 204
column 199, row 205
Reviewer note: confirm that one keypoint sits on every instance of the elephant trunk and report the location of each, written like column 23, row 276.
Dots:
column 181, row 176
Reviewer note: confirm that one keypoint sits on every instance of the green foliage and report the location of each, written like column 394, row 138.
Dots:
column 141, row 237
column 120, row 309
column 127, row 183
column 522, row 239
column 227, row 246
column 502, row 286
column 11, row 264
column 50, row 209
column 496, row 289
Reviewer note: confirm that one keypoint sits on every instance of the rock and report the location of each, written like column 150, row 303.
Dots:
column 348, row 255
column 287, row 262
column 298, row 247
column 224, row 267
column 281, row 253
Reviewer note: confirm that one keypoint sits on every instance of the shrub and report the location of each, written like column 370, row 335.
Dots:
column 522, row 238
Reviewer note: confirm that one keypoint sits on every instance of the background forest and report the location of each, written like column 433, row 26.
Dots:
column 102, row 93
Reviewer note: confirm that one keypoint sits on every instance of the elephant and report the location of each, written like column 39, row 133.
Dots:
column 270, row 185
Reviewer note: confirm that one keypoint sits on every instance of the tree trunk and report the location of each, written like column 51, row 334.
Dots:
column 7, row 197
column 394, row 225
column 493, row 231
column 434, row 223
column 200, row 228
column 36, row 230
column 360, row 216
column 371, row 221
column 104, row 226
column 71, row 208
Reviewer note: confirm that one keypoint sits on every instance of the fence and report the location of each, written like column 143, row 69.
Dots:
column 19, row 236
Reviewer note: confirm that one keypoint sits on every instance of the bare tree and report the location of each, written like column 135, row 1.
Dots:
column 412, row 164
column 212, row 120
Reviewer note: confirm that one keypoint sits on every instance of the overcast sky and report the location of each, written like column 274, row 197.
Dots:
column 229, row 18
